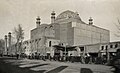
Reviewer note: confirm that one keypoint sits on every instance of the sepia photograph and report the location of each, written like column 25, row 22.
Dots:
column 59, row 36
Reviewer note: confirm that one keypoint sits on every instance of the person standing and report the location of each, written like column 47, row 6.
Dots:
column 17, row 55
column 116, row 62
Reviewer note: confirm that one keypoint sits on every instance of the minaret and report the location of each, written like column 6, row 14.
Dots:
column 53, row 17
column 5, row 45
column 9, row 41
column 90, row 21
column 38, row 21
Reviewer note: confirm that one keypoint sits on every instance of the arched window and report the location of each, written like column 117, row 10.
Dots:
column 62, row 44
column 111, row 46
column 106, row 47
column 116, row 45
column 49, row 43
column 102, row 47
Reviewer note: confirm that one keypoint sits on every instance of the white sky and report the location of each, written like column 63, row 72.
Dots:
column 14, row 12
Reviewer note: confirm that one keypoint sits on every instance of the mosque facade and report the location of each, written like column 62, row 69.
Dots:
column 66, row 29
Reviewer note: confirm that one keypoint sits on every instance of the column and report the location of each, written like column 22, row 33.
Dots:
column 5, row 45
column 9, row 43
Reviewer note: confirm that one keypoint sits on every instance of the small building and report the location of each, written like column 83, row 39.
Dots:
column 107, row 50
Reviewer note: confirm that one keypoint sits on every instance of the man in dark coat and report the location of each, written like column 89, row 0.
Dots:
column 116, row 62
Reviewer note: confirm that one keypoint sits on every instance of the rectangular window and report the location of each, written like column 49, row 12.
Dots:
column 49, row 43
column 106, row 47
column 116, row 45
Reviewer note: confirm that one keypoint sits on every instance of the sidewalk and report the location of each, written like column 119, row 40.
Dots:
column 76, row 66
column 55, row 66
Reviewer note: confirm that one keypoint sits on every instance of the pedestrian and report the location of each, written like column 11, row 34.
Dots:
column 116, row 62
column 1, row 54
column 70, row 58
column 17, row 56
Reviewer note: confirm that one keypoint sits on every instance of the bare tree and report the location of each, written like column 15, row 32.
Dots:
column 117, row 34
column 2, row 46
column 19, row 35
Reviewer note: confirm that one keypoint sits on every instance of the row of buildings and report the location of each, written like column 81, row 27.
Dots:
column 68, row 34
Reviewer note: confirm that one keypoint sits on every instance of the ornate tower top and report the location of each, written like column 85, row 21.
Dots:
column 53, row 17
column 5, row 36
column 38, row 21
column 53, row 13
column 9, row 33
column 38, row 18
column 90, row 21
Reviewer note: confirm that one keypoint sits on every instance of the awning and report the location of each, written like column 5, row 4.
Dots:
column 109, row 50
column 68, row 48
column 48, row 52
column 112, row 50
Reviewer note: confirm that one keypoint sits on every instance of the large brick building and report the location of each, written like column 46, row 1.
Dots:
column 66, row 28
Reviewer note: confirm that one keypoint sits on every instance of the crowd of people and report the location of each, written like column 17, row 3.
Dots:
column 82, row 59
column 114, row 61
column 86, row 59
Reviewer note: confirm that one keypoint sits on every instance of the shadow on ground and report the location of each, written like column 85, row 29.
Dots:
column 58, row 69
column 9, row 67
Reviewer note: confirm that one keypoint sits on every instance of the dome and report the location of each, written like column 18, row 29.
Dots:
column 68, row 14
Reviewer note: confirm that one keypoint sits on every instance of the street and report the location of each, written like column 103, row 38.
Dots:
column 12, row 65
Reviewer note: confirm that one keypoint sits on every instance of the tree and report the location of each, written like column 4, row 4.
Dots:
column 118, row 28
column 2, row 46
column 19, row 35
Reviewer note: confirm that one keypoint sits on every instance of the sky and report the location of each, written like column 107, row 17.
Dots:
column 13, row 12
